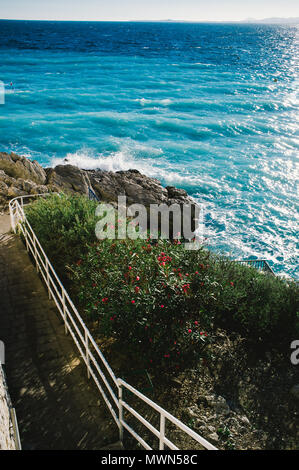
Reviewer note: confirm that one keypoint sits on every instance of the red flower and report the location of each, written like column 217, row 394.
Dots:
column 137, row 278
column 137, row 289
column 189, row 331
column 196, row 322
column 232, row 284
column 130, row 267
column 132, row 301
column 162, row 306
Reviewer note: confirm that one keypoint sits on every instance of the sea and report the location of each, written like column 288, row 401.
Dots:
column 210, row 108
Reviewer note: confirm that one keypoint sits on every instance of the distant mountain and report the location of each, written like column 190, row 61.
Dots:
column 272, row 20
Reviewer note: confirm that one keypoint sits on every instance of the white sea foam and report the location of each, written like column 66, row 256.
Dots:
column 124, row 160
column 147, row 102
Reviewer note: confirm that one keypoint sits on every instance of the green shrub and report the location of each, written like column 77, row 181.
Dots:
column 64, row 224
column 158, row 299
column 141, row 294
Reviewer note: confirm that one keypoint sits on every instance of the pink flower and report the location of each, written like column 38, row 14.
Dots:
column 196, row 322
column 133, row 301
column 137, row 278
column 162, row 306
column 130, row 267
column 189, row 331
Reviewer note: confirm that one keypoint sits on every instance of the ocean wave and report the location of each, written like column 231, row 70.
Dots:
column 148, row 102
column 124, row 160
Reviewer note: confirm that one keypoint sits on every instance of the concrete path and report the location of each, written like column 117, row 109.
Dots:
column 57, row 407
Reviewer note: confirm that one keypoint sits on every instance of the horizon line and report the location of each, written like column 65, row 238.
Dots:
column 246, row 20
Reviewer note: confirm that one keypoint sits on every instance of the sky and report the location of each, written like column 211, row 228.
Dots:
column 119, row 10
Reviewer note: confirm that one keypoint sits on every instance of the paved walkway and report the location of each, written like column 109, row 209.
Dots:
column 57, row 407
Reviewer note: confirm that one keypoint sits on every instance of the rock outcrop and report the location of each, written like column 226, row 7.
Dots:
column 20, row 176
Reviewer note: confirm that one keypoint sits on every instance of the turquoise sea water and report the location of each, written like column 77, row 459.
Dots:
column 207, row 107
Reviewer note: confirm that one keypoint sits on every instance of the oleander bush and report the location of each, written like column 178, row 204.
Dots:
column 155, row 297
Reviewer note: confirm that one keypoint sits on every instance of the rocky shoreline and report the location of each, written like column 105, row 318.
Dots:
column 20, row 176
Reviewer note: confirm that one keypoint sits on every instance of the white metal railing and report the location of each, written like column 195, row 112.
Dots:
column 98, row 368
column 259, row 264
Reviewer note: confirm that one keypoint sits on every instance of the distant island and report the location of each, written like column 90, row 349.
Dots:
column 273, row 20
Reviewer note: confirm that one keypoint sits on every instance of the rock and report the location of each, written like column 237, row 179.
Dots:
column 211, row 428
column 40, row 189
column 175, row 193
column 26, row 185
column 20, row 176
column 218, row 403
column 20, row 167
column 200, row 423
column 244, row 420
column 213, row 438
column 3, row 188
column 69, row 178
column 295, row 391
column 193, row 411
column 15, row 192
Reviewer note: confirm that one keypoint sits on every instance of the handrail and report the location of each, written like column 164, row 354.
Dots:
column 88, row 348
column 259, row 264
column 92, row 195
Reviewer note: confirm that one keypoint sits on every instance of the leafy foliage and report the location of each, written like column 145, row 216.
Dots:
column 156, row 298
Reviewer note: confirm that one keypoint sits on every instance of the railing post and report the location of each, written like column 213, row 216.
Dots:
column 35, row 254
column 12, row 218
column 26, row 239
column 162, row 432
column 64, row 312
column 48, row 278
column 121, row 412
column 87, row 354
